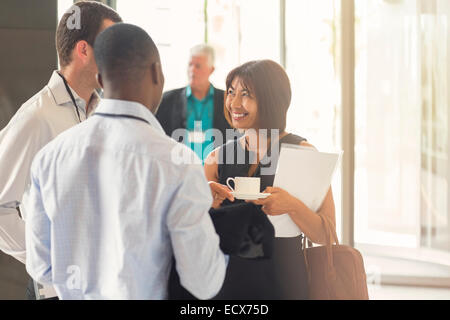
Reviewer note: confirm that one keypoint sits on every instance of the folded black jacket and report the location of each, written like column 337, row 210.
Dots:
column 244, row 230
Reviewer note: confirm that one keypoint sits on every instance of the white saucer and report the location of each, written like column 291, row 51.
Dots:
column 242, row 196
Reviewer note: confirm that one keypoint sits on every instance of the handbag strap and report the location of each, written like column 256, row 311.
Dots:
column 331, row 237
column 330, row 228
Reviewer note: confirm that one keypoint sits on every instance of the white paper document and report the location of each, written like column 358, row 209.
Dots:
column 306, row 174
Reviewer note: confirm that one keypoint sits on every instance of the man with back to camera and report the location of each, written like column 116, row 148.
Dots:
column 68, row 99
column 125, row 207
column 198, row 107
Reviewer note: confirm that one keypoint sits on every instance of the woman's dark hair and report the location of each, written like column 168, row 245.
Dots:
column 91, row 15
column 267, row 81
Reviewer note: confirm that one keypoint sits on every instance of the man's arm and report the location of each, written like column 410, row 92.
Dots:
column 200, row 263
column 19, row 142
column 12, row 234
column 38, row 234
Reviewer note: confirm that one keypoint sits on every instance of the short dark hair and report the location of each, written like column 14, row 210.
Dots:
column 92, row 14
column 267, row 81
column 123, row 51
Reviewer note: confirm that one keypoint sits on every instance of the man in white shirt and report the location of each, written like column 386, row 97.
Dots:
column 111, row 206
column 68, row 99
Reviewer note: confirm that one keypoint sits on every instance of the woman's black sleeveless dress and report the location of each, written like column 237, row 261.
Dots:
column 284, row 275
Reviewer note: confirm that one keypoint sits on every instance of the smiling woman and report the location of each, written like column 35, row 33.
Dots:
column 257, row 99
column 240, row 107
column 261, row 83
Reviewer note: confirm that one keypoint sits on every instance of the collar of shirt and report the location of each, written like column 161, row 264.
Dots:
column 209, row 95
column 62, row 97
column 131, row 108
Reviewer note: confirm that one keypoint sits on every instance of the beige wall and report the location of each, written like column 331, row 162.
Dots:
column 27, row 53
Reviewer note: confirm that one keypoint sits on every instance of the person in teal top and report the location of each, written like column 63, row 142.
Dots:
column 197, row 107
column 199, row 120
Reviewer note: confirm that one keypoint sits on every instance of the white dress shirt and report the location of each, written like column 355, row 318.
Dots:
column 37, row 122
column 108, row 208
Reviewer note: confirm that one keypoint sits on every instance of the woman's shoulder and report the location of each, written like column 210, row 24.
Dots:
column 293, row 139
column 298, row 140
column 306, row 144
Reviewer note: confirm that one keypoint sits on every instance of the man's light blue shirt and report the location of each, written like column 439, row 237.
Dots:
column 108, row 209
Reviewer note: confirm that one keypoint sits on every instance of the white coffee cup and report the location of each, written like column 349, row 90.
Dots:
column 245, row 185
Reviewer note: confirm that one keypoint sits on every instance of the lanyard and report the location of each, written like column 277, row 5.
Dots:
column 71, row 95
column 120, row 116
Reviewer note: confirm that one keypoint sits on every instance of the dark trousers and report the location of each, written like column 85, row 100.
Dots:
column 30, row 293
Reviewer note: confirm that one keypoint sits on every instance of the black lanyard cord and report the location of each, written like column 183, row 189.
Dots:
column 120, row 116
column 71, row 96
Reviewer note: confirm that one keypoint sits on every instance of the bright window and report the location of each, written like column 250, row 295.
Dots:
column 402, row 121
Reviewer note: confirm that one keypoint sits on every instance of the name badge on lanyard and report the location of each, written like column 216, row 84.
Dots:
column 198, row 135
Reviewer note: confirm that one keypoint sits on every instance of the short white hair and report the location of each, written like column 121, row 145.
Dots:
column 203, row 49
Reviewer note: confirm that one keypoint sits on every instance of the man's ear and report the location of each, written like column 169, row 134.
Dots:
column 156, row 73
column 99, row 79
column 81, row 49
